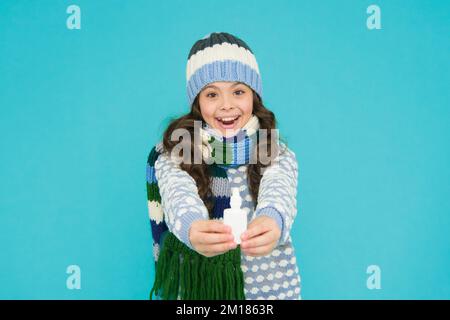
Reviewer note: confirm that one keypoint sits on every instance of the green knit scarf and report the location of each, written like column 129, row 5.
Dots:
column 182, row 273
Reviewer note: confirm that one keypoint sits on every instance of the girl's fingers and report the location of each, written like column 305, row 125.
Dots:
column 258, row 251
column 217, row 248
column 258, row 241
column 254, row 231
column 212, row 238
column 214, row 226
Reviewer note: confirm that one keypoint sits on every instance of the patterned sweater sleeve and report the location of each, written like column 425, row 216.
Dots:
column 180, row 200
column 277, row 197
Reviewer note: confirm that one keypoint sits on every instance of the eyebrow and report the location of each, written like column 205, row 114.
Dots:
column 213, row 86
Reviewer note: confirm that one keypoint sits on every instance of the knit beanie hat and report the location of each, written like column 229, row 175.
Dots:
column 220, row 56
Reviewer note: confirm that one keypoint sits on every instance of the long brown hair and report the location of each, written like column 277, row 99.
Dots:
column 200, row 172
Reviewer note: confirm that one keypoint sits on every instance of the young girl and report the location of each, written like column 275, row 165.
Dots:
column 195, row 254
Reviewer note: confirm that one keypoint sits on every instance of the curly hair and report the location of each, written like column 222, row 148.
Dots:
column 200, row 173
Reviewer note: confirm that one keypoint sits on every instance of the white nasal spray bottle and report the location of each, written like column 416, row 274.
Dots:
column 235, row 217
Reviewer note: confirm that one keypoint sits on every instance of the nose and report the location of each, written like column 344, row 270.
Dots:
column 226, row 107
column 226, row 104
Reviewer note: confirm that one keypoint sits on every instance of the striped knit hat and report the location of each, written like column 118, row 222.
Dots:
column 220, row 56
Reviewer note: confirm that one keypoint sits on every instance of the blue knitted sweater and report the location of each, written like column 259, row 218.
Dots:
column 274, row 276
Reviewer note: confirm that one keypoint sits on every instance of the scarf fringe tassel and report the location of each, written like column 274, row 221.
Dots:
column 197, row 277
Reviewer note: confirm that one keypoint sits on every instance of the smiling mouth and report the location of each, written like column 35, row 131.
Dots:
column 228, row 121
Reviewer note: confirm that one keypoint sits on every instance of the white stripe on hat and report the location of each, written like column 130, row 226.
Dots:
column 222, row 51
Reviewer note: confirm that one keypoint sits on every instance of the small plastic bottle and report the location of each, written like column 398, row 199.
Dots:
column 235, row 217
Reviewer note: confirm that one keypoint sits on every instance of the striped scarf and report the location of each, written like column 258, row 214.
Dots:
column 230, row 151
column 182, row 273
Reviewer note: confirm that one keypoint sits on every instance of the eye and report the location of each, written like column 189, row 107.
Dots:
column 211, row 93
column 240, row 91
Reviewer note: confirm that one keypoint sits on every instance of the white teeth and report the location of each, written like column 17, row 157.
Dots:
column 227, row 119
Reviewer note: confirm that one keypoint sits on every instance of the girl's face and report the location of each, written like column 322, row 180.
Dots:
column 226, row 106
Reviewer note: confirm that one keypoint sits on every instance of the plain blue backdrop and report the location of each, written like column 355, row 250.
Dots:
column 366, row 112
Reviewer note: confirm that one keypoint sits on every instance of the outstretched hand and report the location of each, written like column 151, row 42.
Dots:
column 261, row 237
column 211, row 237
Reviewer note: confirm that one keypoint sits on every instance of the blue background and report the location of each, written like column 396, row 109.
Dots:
column 365, row 111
